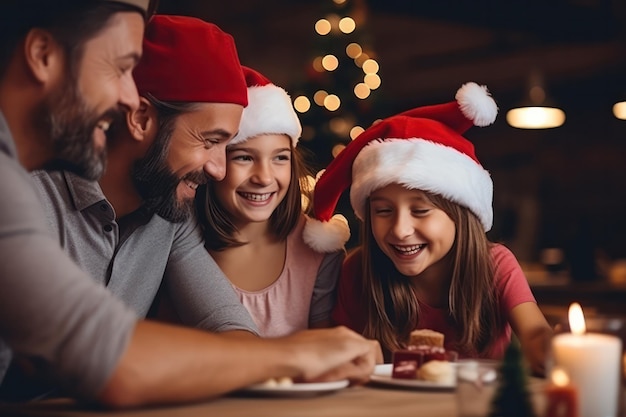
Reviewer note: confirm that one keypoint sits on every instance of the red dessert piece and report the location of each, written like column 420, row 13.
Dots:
column 433, row 353
column 407, row 361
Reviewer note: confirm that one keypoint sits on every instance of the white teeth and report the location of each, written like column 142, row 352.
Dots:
column 104, row 125
column 191, row 185
column 409, row 250
column 256, row 197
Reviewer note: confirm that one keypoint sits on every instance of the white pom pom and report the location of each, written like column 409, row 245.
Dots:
column 476, row 104
column 325, row 237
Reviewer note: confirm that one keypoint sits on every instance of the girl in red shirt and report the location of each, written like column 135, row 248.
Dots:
column 425, row 203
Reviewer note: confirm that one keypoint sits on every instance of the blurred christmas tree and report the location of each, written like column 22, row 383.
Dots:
column 512, row 398
column 338, row 96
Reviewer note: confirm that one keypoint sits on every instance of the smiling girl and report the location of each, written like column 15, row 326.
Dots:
column 425, row 261
column 254, row 223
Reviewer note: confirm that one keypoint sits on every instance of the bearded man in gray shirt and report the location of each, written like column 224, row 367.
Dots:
column 137, row 228
column 157, row 155
column 65, row 75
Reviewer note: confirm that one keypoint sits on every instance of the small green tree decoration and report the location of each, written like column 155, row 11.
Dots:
column 512, row 398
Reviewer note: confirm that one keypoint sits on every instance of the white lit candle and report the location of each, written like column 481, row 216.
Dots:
column 592, row 361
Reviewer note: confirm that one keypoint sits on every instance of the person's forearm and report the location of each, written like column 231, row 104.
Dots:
column 204, row 365
column 536, row 347
column 534, row 334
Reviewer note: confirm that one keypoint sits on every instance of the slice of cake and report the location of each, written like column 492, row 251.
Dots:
column 425, row 348
column 407, row 362
column 426, row 337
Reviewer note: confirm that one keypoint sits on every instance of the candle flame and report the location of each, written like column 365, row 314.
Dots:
column 576, row 319
column 559, row 377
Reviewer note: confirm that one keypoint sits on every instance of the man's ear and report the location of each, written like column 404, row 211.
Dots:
column 142, row 123
column 44, row 56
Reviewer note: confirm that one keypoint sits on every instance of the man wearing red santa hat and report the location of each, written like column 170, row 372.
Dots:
column 134, row 231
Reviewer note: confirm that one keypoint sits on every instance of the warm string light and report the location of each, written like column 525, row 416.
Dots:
column 317, row 64
column 302, row 104
column 362, row 91
column 353, row 50
column 330, row 62
column 360, row 60
column 340, row 24
column 337, row 149
column 370, row 66
column 347, row 25
column 323, row 27
column 356, row 131
column 332, row 102
column 319, row 97
column 372, row 80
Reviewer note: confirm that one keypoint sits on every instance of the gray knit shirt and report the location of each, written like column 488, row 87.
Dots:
column 51, row 312
column 132, row 257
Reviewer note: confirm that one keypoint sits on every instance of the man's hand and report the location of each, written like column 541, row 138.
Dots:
column 333, row 354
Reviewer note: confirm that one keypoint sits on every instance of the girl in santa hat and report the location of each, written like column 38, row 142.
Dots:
column 425, row 261
column 254, row 222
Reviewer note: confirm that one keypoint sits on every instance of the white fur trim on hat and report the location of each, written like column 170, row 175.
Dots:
column 325, row 237
column 269, row 111
column 424, row 165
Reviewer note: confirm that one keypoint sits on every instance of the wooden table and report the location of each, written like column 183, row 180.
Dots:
column 363, row 401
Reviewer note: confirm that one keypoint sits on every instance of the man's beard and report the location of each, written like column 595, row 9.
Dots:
column 71, row 124
column 156, row 183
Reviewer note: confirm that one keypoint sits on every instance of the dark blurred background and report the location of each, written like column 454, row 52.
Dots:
column 554, row 188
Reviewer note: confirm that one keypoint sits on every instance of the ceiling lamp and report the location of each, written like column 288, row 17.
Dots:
column 619, row 110
column 536, row 111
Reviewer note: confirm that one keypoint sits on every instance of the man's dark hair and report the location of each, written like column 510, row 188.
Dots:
column 71, row 22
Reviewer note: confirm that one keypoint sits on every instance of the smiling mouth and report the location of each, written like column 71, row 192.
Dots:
column 409, row 250
column 191, row 184
column 256, row 196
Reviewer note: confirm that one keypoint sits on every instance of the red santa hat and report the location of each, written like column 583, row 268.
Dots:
column 420, row 149
column 187, row 59
column 269, row 110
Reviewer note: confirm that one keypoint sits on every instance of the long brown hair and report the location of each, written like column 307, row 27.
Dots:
column 392, row 307
column 219, row 230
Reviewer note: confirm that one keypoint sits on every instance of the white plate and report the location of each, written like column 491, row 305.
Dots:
column 297, row 389
column 382, row 375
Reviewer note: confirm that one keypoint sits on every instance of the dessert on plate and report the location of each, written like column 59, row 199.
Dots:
column 425, row 359
column 426, row 337
column 437, row 371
